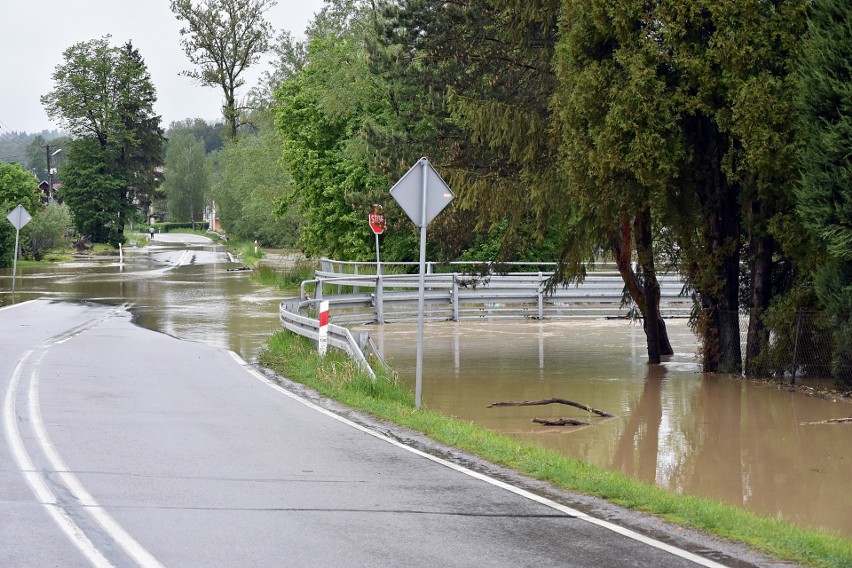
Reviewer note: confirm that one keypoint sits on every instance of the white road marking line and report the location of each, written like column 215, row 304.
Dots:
column 36, row 480
column 130, row 545
column 11, row 306
column 686, row 555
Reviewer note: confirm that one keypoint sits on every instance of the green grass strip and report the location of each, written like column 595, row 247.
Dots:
column 338, row 377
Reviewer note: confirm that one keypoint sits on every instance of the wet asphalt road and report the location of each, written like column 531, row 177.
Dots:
column 127, row 447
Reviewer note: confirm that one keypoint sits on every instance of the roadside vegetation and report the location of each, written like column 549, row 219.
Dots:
column 288, row 278
column 338, row 377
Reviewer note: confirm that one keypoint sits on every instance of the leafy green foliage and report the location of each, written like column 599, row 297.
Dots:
column 17, row 187
column 209, row 133
column 49, row 229
column 186, row 178
column 252, row 188
column 223, row 38
column 92, row 186
column 318, row 116
column 104, row 96
column 825, row 190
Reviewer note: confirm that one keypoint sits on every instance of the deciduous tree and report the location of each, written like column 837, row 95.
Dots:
column 104, row 96
column 223, row 38
column 186, row 179
column 17, row 187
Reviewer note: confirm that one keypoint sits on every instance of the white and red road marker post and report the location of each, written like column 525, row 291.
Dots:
column 322, row 342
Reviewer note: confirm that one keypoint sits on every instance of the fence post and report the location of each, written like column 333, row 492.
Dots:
column 796, row 346
column 540, row 297
column 356, row 289
column 455, row 298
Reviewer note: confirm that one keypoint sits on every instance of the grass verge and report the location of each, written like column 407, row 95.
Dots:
column 338, row 377
column 288, row 278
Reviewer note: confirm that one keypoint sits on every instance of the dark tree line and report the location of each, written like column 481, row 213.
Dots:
column 664, row 136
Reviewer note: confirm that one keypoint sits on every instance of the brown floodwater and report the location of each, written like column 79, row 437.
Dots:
column 699, row 434
column 730, row 440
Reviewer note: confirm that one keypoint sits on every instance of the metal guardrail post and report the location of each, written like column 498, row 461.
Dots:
column 356, row 289
column 540, row 296
column 380, row 304
column 455, row 298
column 318, row 290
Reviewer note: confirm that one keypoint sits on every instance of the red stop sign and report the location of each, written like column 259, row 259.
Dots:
column 377, row 220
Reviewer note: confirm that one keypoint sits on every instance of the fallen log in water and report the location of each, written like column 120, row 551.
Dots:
column 553, row 401
column 560, row 422
column 831, row 421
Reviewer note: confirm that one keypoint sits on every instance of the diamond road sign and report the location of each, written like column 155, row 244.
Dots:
column 408, row 192
column 19, row 217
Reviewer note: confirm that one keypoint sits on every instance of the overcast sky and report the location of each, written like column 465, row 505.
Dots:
column 34, row 33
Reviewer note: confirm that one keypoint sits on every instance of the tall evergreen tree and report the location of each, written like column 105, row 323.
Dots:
column 825, row 190
column 729, row 71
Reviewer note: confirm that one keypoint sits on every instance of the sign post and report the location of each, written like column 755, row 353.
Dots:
column 377, row 224
column 19, row 216
column 422, row 194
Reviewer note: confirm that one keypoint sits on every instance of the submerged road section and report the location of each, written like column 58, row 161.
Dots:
column 126, row 447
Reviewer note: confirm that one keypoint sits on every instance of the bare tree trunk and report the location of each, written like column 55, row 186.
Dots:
column 622, row 250
column 650, row 286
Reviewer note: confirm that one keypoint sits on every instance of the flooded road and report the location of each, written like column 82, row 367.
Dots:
column 179, row 284
column 702, row 435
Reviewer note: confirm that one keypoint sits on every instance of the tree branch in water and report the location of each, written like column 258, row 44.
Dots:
column 552, row 401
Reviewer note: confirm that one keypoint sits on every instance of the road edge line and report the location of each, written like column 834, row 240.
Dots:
column 675, row 551
column 35, row 480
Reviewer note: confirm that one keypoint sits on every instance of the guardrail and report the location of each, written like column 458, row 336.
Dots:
column 339, row 337
column 455, row 295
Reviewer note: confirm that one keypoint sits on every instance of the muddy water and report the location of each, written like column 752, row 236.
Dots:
column 697, row 434
column 181, row 285
column 700, row 435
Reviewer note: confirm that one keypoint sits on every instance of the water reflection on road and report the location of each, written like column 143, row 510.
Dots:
column 703, row 435
column 179, row 284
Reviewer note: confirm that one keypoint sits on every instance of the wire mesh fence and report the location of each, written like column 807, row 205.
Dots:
column 797, row 345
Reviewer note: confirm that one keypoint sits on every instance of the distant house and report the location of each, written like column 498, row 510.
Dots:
column 48, row 194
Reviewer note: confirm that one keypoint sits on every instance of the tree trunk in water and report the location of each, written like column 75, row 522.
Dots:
column 730, row 356
column 622, row 252
column 650, row 286
column 761, row 290
column 665, row 344
column 716, row 253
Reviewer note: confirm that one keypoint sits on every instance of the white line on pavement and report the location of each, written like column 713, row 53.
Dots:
column 496, row 482
column 36, row 480
column 104, row 519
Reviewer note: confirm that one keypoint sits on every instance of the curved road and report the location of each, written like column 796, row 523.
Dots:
column 126, row 447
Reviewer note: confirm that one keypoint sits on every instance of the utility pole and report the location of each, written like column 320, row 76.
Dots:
column 49, row 154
